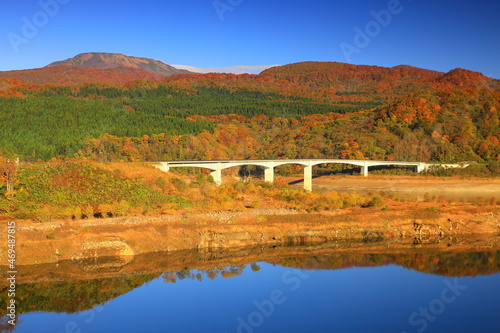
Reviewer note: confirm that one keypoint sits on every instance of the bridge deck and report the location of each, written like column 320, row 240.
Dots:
column 216, row 166
column 278, row 162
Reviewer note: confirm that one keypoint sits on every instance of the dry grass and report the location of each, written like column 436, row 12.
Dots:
column 150, row 175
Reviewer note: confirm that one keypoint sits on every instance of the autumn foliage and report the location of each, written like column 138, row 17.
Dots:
column 302, row 110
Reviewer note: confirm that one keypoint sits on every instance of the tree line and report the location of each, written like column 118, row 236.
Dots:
column 51, row 122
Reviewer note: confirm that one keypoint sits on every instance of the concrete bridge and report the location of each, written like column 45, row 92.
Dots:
column 216, row 167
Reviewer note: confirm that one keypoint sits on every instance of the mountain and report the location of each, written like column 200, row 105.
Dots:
column 100, row 60
column 463, row 78
column 95, row 67
column 70, row 75
column 318, row 80
column 334, row 82
column 345, row 78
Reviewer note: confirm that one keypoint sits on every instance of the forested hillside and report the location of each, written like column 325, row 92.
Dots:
column 305, row 110
column 346, row 78
column 68, row 75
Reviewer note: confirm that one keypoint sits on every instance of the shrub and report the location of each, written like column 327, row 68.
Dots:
column 160, row 182
column 255, row 204
column 106, row 210
column 494, row 168
column 87, row 211
column 180, row 184
column 376, row 202
column 334, row 201
column 121, row 208
column 352, row 200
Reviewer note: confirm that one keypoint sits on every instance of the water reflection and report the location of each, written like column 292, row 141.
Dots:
column 241, row 289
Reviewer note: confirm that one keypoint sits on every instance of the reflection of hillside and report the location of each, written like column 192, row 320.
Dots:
column 77, row 286
column 447, row 264
column 72, row 295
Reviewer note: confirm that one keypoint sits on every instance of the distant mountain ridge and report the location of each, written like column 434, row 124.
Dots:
column 101, row 60
column 343, row 77
column 334, row 79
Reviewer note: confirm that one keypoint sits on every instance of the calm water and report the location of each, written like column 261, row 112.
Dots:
column 355, row 292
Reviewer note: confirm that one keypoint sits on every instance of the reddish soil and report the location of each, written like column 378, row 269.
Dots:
column 127, row 237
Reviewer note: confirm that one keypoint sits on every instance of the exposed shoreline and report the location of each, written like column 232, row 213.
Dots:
column 52, row 242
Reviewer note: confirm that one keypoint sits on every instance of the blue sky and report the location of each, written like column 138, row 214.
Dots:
column 439, row 35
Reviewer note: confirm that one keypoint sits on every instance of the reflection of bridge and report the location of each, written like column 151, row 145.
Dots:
column 216, row 167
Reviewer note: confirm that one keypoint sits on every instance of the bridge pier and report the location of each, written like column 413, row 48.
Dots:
column 308, row 178
column 163, row 167
column 269, row 174
column 217, row 176
column 420, row 167
column 364, row 170
column 217, row 166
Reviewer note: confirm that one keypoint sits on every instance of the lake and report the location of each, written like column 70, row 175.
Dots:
column 326, row 288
